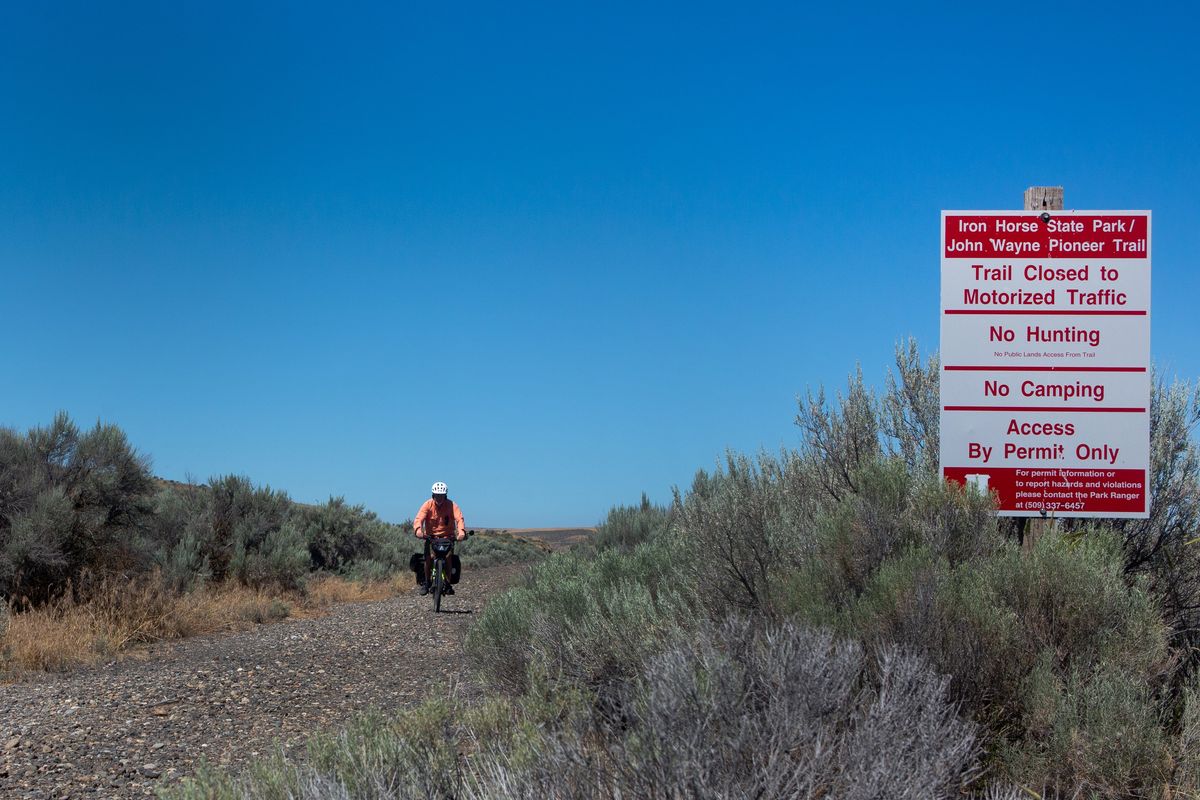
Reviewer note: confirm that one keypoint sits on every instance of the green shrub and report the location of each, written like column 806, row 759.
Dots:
column 949, row 615
column 1186, row 778
column 730, row 525
column 910, row 410
column 492, row 548
column 375, row 758
column 1050, row 649
column 212, row 783
column 839, row 438
column 37, row 548
column 180, row 532
column 368, row 569
column 743, row 710
column 628, row 526
column 416, row 754
column 761, row 543
column 70, row 501
column 1095, row 733
column 338, row 534
column 1070, row 594
column 185, row 566
column 279, row 559
column 892, row 513
column 580, row 618
column 242, row 516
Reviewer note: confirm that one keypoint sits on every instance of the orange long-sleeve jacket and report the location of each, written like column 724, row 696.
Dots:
column 440, row 519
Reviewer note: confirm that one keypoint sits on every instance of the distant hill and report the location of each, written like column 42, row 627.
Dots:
column 555, row 537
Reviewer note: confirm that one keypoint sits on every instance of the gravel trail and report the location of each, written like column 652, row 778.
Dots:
column 121, row 729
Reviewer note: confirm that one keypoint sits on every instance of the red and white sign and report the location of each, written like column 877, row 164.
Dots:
column 1045, row 384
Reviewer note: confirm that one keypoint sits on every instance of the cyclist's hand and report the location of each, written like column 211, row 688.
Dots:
column 420, row 534
column 461, row 536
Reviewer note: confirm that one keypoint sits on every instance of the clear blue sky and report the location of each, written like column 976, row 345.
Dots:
column 551, row 254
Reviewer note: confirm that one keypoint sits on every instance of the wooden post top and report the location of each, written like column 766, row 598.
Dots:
column 1044, row 198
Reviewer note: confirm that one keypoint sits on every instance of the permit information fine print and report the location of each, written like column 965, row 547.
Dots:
column 1045, row 346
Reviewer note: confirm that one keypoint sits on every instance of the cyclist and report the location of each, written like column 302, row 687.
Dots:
column 439, row 518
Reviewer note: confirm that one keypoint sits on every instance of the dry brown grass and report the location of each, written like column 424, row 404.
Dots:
column 113, row 617
column 327, row 590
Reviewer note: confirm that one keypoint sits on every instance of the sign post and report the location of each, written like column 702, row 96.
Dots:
column 1045, row 346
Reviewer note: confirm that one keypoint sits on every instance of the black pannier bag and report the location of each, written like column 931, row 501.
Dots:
column 455, row 568
column 417, row 564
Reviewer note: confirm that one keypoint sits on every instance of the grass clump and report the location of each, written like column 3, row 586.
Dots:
column 326, row 589
column 413, row 755
column 104, row 617
column 97, row 621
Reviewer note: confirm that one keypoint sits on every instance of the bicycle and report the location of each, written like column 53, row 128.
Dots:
column 441, row 550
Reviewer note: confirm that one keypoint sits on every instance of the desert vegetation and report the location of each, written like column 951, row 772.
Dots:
column 96, row 554
column 832, row 620
column 489, row 548
column 82, row 504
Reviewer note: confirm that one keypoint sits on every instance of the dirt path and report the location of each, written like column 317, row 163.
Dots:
column 121, row 729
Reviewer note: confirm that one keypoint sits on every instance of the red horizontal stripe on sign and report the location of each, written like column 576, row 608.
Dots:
column 1109, row 410
column 1055, row 312
column 1063, row 236
column 1032, row 490
column 963, row 368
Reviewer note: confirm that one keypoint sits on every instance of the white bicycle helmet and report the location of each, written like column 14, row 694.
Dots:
column 439, row 488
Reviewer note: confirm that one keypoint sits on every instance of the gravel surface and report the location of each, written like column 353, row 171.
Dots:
column 122, row 729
